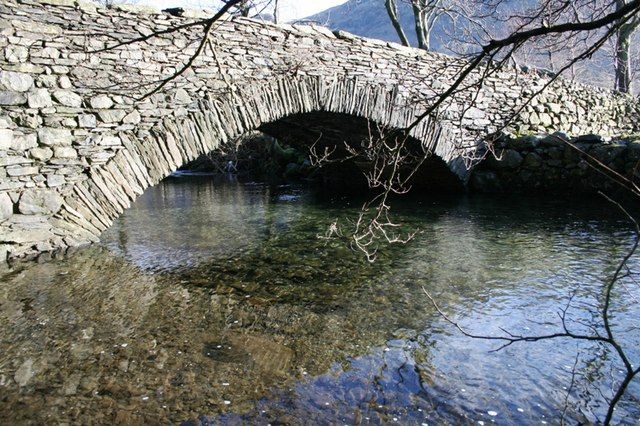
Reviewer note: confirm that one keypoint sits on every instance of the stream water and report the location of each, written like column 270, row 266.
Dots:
column 217, row 303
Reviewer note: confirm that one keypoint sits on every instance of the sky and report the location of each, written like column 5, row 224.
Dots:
column 289, row 9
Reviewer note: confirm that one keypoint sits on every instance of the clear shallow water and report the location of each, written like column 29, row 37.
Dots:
column 217, row 303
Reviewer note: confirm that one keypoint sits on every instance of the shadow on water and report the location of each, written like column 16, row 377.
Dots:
column 217, row 303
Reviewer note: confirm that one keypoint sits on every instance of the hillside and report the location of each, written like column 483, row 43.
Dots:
column 367, row 18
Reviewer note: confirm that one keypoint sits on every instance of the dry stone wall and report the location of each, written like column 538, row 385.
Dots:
column 79, row 141
column 547, row 163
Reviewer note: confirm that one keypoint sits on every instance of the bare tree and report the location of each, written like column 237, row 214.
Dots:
column 426, row 14
column 623, row 67
column 391, row 160
column 392, row 11
column 276, row 12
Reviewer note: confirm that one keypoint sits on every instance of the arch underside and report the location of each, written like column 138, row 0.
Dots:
column 294, row 110
column 335, row 130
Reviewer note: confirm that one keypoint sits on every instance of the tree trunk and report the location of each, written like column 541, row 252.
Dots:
column 392, row 10
column 276, row 12
column 419, row 15
column 245, row 8
column 623, row 59
column 623, row 47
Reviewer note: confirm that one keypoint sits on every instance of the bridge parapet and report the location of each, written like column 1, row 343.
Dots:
column 78, row 145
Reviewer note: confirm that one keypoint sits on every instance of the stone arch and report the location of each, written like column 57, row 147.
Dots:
column 145, row 160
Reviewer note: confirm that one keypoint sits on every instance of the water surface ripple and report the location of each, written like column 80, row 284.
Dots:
column 216, row 303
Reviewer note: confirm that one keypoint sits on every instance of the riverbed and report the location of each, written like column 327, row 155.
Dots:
column 220, row 302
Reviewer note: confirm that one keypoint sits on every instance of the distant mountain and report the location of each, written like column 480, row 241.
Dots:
column 368, row 18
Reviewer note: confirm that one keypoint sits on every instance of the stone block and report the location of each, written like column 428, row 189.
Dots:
column 109, row 140
column 525, row 142
column 132, row 118
column 31, row 121
column 68, row 98
column 554, row 108
column 65, row 83
column 17, row 171
column 112, row 115
column 6, row 139
column 16, row 54
column 87, row 121
column 8, row 98
column 13, row 160
column 5, row 122
column 555, row 140
column 23, row 236
column 65, row 152
column 50, row 53
column 40, row 201
column 40, row 98
column 589, row 139
column 24, row 142
column 55, row 180
column 6, row 207
column 508, row 159
column 181, row 96
column 41, row 154
column 54, row 137
column 4, row 251
column 633, row 151
column 69, row 3
column 101, row 102
column 532, row 161
column 16, row 82
column 545, row 120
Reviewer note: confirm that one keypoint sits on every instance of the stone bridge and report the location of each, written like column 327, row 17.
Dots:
column 78, row 144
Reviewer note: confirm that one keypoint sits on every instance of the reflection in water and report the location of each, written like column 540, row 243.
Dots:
column 216, row 304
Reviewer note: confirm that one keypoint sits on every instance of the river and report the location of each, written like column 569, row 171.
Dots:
column 217, row 303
